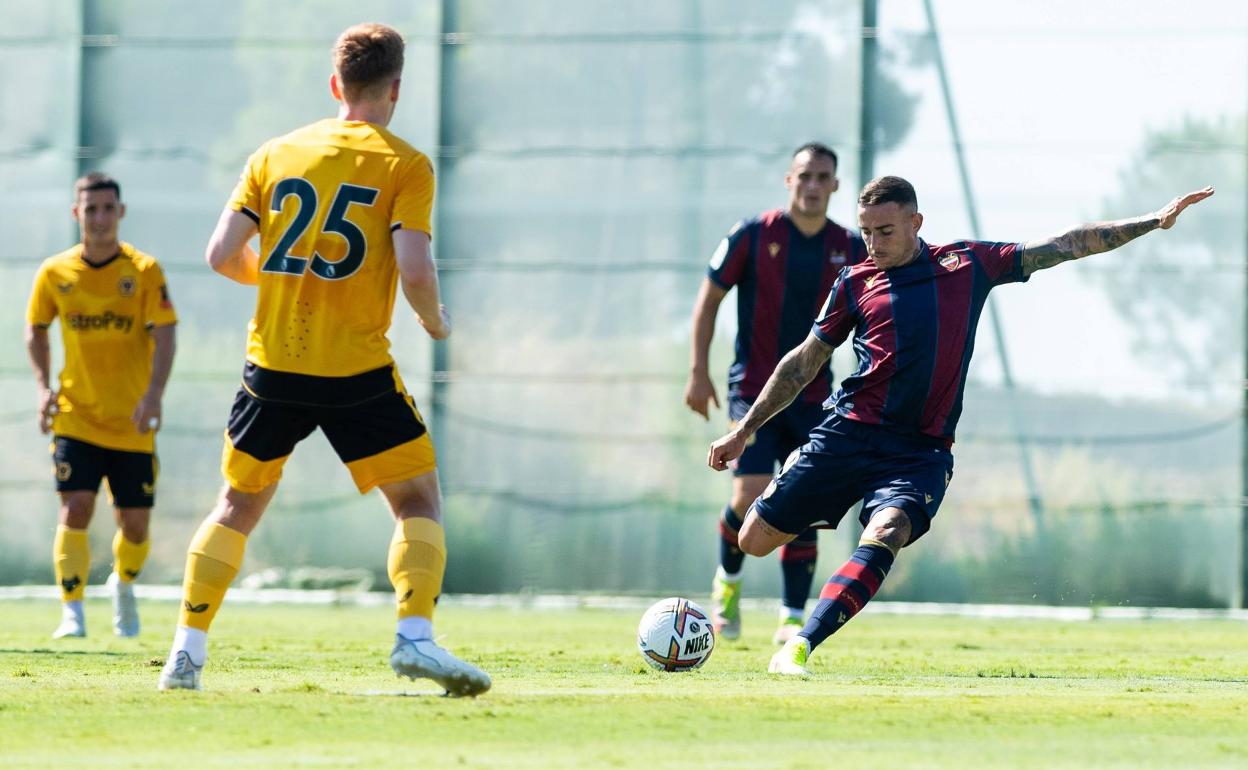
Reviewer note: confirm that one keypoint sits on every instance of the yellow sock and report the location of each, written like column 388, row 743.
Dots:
column 72, row 555
column 416, row 564
column 128, row 557
column 212, row 561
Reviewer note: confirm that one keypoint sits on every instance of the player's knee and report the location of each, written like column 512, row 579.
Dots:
column 133, row 523
column 240, row 510
column 890, row 526
column 76, row 509
column 417, row 497
column 753, row 546
column 754, row 540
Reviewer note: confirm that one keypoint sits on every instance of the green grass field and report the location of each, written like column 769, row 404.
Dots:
column 310, row 687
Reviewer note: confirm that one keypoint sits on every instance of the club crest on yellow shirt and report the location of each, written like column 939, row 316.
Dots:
column 126, row 286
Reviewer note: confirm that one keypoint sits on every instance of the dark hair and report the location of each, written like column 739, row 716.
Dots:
column 96, row 180
column 366, row 57
column 816, row 149
column 888, row 189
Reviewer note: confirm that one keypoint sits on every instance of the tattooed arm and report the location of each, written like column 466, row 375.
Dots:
column 794, row 372
column 1103, row 236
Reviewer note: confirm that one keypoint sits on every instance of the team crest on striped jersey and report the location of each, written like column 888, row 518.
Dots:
column 950, row 261
column 870, row 280
column 773, row 249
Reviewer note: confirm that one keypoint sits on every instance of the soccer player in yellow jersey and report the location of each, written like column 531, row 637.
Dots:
column 117, row 325
column 342, row 208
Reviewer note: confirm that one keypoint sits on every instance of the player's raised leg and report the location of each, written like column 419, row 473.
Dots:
column 416, row 563
column 212, row 562
column 131, row 545
column 71, row 556
column 848, row 590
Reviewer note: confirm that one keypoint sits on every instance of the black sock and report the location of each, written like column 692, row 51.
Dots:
column 731, row 557
column 797, row 563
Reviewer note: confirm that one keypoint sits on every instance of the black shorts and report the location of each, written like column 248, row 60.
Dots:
column 79, row 467
column 777, row 439
column 381, row 438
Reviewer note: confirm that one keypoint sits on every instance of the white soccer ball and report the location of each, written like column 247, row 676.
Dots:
column 675, row 635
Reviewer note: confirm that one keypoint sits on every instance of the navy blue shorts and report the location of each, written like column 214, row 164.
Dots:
column 777, row 439
column 846, row 461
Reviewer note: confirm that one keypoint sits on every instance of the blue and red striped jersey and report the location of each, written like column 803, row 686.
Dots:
column 914, row 332
column 782, row 278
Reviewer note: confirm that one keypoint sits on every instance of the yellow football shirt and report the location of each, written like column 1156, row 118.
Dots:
column 326, row 198
column 106, row 312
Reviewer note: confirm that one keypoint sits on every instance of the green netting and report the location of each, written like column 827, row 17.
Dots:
column 590, row 155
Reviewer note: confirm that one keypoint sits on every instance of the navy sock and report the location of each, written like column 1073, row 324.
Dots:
column 731, row 557
column 797, row 564
column 848, row 591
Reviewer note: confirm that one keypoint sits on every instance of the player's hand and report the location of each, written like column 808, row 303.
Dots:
column 440, row 330
column 699, row 392
column 1171, row 212
column 726, row 449
column 47, row 409
column 146, row 416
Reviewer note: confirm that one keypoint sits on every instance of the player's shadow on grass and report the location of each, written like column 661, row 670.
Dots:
column 395, row 694
column 48, row 651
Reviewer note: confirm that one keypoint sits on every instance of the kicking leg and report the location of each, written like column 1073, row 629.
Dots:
column 848, row 590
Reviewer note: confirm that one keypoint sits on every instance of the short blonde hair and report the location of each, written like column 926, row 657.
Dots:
column 367, row 57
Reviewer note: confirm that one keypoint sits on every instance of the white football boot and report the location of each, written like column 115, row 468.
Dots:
column 791, row 658
column 422, row 659
column 125, row 608
column 73, row 624
column 180, row 673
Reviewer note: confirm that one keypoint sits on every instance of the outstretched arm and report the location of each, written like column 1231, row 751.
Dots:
column 1103, row 236
column 794, row 372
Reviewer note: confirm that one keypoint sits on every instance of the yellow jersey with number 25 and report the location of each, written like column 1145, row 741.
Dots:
column 326, row 198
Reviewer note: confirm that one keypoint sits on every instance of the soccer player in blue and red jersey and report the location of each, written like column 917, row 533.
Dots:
column 912, row 309
column 782, row 263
